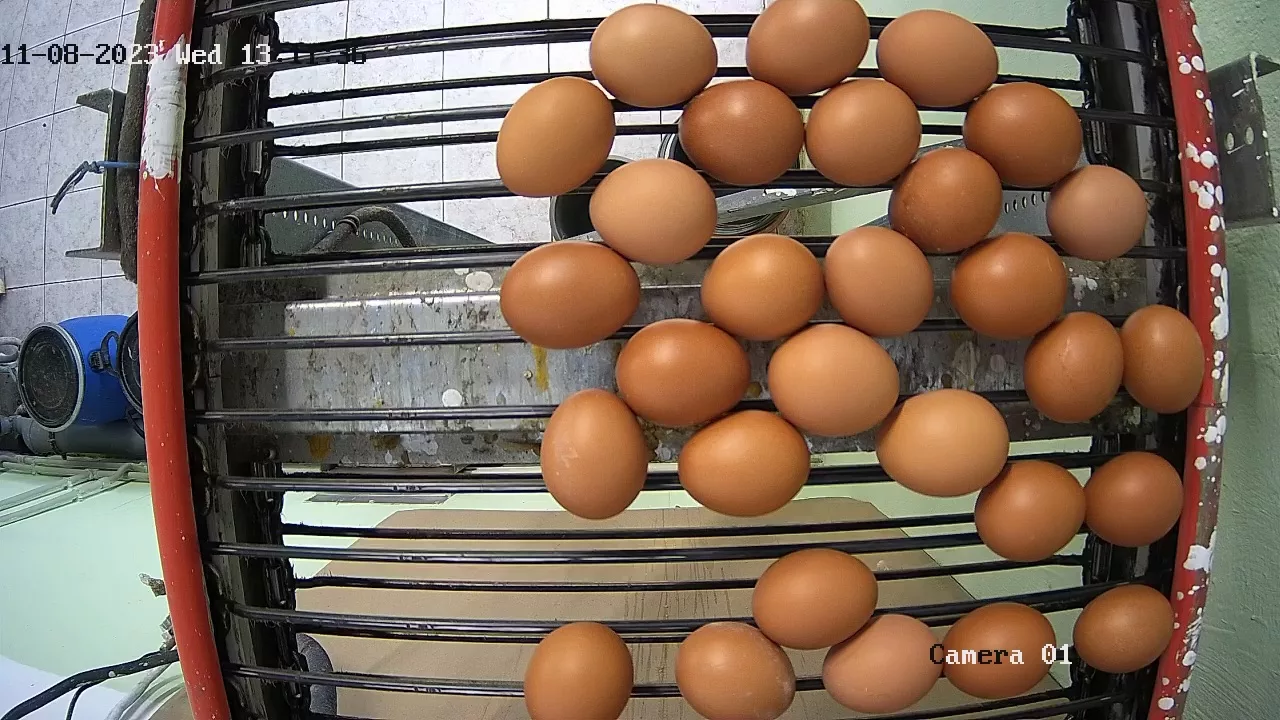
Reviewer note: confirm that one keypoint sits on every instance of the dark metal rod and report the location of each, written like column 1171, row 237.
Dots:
column 528, row 630
column 493, row 112
column 587, row 557
column 308, row 98
column 414, row 259
column 473, row 337
column 531, row 481
column 580, row 30
column 378, row 583
column 482, row 412
column 381, row 533
column 470, row 189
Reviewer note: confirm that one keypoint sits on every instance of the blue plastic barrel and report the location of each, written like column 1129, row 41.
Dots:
column 66, row 372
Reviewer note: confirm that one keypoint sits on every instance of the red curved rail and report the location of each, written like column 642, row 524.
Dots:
column 161, row 360
column 1207, row 297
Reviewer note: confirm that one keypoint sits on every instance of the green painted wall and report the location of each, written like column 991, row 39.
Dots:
column 1236, row 675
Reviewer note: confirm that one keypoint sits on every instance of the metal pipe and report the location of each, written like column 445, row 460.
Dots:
column 160, row 349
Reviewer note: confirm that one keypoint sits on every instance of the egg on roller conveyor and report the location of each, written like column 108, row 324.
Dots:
column 747, row 464
column 804, row 46
column 863, row 132
column 568, row 294
column 884, row 668
column 1097, row 213
column 655, row 211
column 832, row 380
column 1163, row 358
column 579, row 670
column 1030, row 511
column 743, row 132
column 998, row 631
column 682, row 372
column 943, row 443
column 1073, row 368
column 814, row 598
column 652, row 56
column 1124, row 629
column 731, row 671
column 938, row 58
column 1009, row 287
column 762, row 287
column 1029, row 133
column 593, row 456
column 555, row 137
column 879, row 281
column 1133, row 499
column 946, row 201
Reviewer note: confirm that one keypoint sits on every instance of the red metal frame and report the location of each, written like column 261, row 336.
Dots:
column 161, row 360
column 163, row 404
column 1207, row 299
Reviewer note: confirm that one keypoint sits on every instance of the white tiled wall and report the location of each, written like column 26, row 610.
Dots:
column 44, row 135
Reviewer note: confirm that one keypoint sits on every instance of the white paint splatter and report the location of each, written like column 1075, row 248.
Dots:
column 451, row 398
column 1201, row 463
column 1195, row 33
column 1217, row 192
column 1188, row 660
column 1193, row 184
column 1221, row 323
column 1208, row 159
column 1208, row 105
column 1192, row 152
column 1165, row 681
column 1215, row 270
column 479, row 280
column 1165, row 703
column 1200, row 94
column 1226, row 383
column 1218, row 357
column 1080, row 284
column 1185, row 685
column 166, row 113
column 1213, row 249
column 1217, row 373
column 461, row 271
column 1214, row 224
column 1184, row 68
column 1215, row 432
column 1204, row 196
column 1200, row 557
column 1197, row 62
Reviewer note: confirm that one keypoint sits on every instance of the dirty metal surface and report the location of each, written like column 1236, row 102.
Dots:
column 1240, row 123
column 387, row 374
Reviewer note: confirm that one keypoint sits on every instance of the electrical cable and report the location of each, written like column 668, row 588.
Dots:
column 90, row 677
column 71, row 706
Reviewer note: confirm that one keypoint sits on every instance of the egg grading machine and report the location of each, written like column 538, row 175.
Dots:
column 428, row 392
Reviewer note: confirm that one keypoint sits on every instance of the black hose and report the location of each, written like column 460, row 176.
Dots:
column 91, row 677
column 348, row 226
column 129, row 146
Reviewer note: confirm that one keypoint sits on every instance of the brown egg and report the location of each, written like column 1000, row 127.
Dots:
column 803, row 46
column 763, row 287
column 1011, row 286
column 1073, row 368
column 814, row 598
column 1124, row 629
column 593, row 456
column 946, row 201
column 652, row 55
column 654, row 211
column 1163, row 359
column 864, row 132
column 743, row 132
column 943, row 443
column 682, row 372
column 719, row 661
column 939, row 59
column 885, row 668
column 879, row 281
column 1133, row 500
column 1029, row 134
column 555, row 137
column 568, row 294
column 832, row 380
column 999, row 648
column 748, row 464
column 579, row 670
column 1097, row 213
column 1030, row 511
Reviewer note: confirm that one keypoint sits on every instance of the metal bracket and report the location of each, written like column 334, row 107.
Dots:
column 1248, row 188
